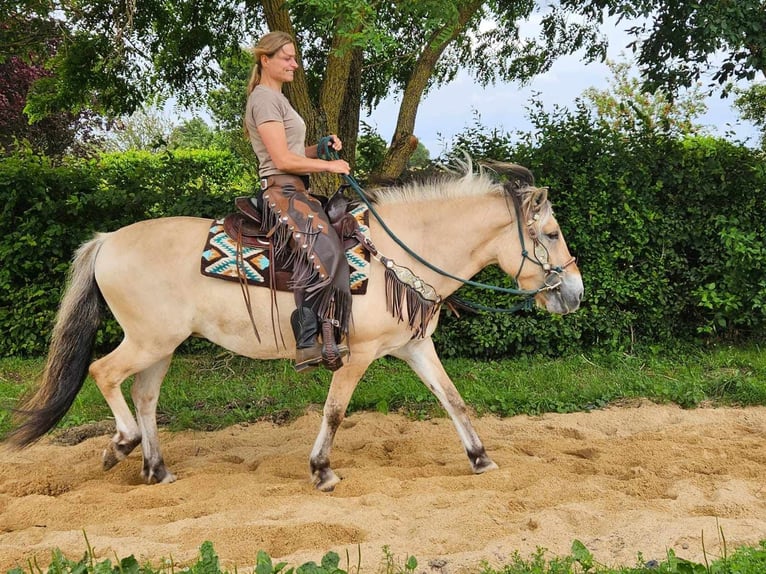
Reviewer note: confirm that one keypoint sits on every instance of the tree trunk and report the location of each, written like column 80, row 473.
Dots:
column 404, row 141
column 338, row 111
column 348, row 128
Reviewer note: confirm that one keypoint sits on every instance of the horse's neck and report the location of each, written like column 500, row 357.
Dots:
column 450, row 234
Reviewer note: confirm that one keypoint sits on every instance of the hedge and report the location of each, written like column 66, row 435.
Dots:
column 670, row 235
column 48, row 211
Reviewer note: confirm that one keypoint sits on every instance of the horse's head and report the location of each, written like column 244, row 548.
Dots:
column 542, row 262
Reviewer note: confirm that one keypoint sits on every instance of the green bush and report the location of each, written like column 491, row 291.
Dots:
column 48, row 211
column 670, row 234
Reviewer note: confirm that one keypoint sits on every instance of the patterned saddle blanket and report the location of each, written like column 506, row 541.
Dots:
column 223, row 258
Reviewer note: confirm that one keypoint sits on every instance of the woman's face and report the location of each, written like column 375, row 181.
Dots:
column 282, row 65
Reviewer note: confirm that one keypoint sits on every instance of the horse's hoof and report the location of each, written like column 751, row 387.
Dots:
column 157, row 475
column 169, row 478
column 483, row 464
column 325, row 479
column 166, row 478
column 109, row 458
column 118, row 450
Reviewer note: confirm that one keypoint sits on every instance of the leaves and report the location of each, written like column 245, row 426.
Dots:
column 582, row 555
column 679, row 43
column 48, row 211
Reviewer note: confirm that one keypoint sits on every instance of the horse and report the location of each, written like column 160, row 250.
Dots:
column 148, row 274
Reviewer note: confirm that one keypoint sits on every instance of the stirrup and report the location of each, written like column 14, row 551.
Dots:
column 332, row 353
column 312, row 357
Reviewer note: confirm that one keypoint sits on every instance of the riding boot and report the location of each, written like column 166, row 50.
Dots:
column 305, row 325
column 309, row 352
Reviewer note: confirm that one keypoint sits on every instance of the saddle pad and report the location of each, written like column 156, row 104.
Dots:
column 219, row 257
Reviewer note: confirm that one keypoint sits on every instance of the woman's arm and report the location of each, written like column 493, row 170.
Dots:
column 274, row 138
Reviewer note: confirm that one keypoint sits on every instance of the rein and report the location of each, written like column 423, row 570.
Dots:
column 552, row 273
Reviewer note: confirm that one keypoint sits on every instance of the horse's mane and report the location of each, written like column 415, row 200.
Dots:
column 462, row 180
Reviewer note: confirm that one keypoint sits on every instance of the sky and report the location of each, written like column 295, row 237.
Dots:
column 447, row 110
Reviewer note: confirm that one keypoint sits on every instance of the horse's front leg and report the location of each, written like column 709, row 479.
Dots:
column 344, row 382
column 421, row 356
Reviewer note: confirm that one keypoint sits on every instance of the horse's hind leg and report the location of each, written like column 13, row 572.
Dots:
column 109, row 372
column 421, row 356
column 145, row 392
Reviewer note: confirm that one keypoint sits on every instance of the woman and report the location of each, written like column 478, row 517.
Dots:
column 320, row 279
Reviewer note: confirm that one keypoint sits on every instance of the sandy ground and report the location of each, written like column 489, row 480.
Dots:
column 637, row 478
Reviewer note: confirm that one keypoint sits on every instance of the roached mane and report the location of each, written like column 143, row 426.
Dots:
column 462, row 180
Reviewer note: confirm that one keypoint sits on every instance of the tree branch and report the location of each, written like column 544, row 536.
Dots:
column 404, row 141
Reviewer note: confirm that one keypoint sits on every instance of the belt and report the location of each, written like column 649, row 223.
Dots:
column 283, row 179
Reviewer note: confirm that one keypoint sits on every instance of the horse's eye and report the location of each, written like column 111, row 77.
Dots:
column 553, row 235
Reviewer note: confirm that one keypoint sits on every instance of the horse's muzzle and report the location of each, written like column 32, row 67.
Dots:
column 566, row 297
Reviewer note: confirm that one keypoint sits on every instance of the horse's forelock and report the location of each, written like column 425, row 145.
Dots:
column 512, row 172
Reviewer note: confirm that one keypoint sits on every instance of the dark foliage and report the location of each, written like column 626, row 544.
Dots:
column 669, row 234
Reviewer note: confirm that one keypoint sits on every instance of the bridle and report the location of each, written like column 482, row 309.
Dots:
column 552, row 279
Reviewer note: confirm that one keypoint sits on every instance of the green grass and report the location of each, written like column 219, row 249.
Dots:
column 210, row 391
column 744, row 560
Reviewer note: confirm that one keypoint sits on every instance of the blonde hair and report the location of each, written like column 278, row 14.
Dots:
column 268, row 45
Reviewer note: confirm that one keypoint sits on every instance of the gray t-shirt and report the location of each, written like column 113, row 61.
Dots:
column 267, row 105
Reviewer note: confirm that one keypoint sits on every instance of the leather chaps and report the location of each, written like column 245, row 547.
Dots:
column 299, row 230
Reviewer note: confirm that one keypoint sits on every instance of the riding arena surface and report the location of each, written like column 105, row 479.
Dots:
column 627, row 479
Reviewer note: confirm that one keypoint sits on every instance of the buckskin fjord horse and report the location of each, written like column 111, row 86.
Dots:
column 148, row 274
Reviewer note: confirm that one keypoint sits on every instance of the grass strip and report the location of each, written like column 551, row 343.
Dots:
column 744, row 560
column 211, row 391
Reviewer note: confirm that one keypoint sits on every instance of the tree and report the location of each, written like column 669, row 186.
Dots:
column 28, row 38
column 370, row 151
column 145, row 130
column 625, row 106
column 677, row 42
column 356, row 52
column 193, row 134
column 28, row 30
column 752, row 105
column 420, row 158
column 226, row 104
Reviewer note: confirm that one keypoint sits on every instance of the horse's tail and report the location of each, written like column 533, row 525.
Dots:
column 70, row 350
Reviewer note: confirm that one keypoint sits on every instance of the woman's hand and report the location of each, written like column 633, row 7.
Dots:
column 335, row 142
column 338, row 166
